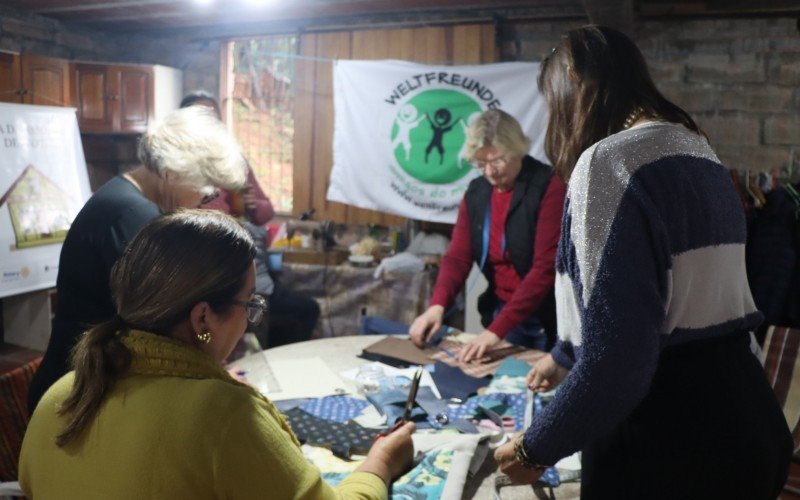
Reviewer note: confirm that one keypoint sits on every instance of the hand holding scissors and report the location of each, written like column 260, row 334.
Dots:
column 412, row 396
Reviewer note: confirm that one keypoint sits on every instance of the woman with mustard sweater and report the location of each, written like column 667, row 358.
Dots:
column 149, row 411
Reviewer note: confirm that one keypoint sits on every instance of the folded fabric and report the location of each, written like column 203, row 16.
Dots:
column 469, row 452
column 454, row 383
column 343, row 440
column 392, row 403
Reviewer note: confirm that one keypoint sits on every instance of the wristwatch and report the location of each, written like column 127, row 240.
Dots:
column 522, row 457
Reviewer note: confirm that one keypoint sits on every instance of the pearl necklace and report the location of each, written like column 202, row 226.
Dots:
column 632, row 118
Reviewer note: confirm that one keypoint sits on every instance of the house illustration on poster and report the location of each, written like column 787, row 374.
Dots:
column 39, row 209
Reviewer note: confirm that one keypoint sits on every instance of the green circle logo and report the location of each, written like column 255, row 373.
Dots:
column 429, row 135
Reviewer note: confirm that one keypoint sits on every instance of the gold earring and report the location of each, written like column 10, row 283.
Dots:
column 203, row 337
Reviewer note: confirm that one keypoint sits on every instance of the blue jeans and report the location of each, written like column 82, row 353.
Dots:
column 528, row 334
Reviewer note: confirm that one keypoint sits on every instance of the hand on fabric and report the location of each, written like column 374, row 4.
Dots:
column 391, row 456
column 478, row 346
column 545, row 375
column 506, row 458
column 425, row 325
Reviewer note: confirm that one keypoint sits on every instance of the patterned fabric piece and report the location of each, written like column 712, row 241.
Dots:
column 515, row 407
column 782, row 365
column 335, row 408
column 495, row 357
column 392, row 402
column 425, row 481
column 14, row 416
column 342, row 439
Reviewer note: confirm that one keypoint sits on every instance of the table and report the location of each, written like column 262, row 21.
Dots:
column 340, row 354
column 343, row 291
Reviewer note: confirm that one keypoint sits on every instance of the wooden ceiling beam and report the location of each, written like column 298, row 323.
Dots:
column 102, row 6
column 204, row 16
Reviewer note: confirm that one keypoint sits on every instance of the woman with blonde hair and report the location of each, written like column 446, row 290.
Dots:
column 150, row 412
column 508, row 223
column 186, row 157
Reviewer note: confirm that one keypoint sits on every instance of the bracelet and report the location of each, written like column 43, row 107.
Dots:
column 522, row 456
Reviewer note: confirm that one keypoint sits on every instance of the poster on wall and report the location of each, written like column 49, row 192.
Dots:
column 400, row 130
column 43, row 185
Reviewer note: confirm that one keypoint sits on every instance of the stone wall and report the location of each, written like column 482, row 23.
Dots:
column 739, row 79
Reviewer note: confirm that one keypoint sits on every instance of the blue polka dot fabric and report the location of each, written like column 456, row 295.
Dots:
column 335, row 408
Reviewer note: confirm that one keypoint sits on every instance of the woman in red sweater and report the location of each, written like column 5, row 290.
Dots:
column 509, row 223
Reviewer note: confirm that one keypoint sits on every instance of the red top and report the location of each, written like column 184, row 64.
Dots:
column 259, row 216
column 522, row 296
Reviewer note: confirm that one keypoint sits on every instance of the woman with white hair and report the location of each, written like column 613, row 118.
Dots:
column 185, row 157
column 508, row 223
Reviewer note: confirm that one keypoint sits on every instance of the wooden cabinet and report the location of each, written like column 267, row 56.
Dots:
column 10, row 78
column 115, row 99
column 30, row 79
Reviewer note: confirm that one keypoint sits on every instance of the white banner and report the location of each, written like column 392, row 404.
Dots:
column 43, row 185
column 398, row 142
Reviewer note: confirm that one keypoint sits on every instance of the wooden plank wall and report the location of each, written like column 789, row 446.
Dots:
column 313, row 114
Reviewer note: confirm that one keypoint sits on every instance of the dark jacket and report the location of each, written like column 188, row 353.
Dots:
column 520, row 230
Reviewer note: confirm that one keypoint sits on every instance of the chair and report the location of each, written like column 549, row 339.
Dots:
column 782, row 366
column 375, row 325
column 14, row 415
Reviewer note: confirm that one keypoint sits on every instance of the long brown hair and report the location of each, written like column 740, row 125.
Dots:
column 594, row 79
column 173, row 263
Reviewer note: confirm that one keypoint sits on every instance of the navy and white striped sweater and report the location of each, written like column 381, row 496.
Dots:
column 651, row 255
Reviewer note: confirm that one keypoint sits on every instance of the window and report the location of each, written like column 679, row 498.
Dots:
column 258, row 98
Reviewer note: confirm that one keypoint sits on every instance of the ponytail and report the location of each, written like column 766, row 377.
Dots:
column 99, row 359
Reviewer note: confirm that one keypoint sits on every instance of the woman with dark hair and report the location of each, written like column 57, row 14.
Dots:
column 149, row 411
column 663, row 394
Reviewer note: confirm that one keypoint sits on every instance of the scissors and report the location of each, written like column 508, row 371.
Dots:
column 412, row 396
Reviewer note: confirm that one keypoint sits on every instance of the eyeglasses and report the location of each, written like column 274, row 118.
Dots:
column 495, row 163
column 255, row 308
column 208, row 198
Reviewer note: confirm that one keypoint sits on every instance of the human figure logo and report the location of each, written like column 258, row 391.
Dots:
column 429, row 134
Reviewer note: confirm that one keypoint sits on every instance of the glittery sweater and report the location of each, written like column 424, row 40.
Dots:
column 176, row 426
column 651, row 255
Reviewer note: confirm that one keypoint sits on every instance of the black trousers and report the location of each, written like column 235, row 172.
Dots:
column 709, row 428
column 291, row 317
